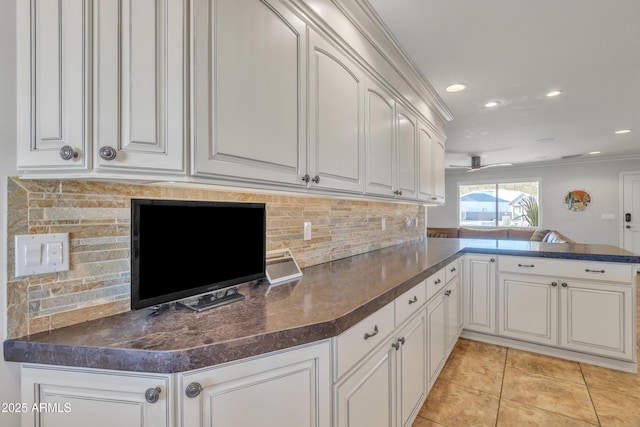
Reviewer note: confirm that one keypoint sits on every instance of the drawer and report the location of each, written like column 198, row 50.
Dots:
column 435, row 282
column 591, row 270
column 409, row 302
column 451, row 271
column 354, row 343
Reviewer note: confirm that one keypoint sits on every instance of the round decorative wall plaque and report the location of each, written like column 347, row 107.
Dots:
column 577, row 200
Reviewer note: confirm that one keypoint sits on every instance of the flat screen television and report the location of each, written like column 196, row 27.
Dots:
column 184, row 248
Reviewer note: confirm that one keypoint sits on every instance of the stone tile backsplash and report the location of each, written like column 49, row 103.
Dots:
column 97, row 216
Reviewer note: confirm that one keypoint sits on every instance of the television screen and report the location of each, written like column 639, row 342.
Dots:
column 182, row 248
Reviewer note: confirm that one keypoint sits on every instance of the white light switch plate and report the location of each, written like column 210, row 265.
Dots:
column 41, row 253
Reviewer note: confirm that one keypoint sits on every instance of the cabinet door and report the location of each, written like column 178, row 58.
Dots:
column 436, row 336
column 77, row 398
column 140, row 84
column 597, row 318
column 425, row 163
column 336, row 118
column 411, row 368
column 406, row 161
column 437, row 156
column 454, row 312
column 249, row 91
column 366, row 397
column 480, row 293
column 528, row 308
column 52, row 84
column 380, row 131
column 286, row 389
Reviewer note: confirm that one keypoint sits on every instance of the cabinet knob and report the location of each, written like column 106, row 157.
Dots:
column 368, row 335
column 316, row 179
column 67, row 153
column 306, row 178
column 107, row 153
column 554, row 284
column 564, row 285
column 152, row 395
column 193, row 390
column 492, row 260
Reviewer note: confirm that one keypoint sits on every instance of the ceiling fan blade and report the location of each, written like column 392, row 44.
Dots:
column 493, row 165
column 459, row 166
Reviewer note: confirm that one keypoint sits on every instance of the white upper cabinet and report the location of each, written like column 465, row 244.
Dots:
column 430, row 165
column 406, row 184
column 437, row 165
column 53, row 84
column 139, row 84
column 336, row 118
column 249, row 79
column 380, row 136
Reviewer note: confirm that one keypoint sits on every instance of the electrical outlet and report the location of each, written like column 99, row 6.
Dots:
column 408, row 222
column 384, row 224
column 307, row 231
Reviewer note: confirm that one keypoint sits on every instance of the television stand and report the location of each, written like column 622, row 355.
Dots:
column 214, row 299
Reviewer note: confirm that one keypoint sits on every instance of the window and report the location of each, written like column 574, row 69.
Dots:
column 507, row 204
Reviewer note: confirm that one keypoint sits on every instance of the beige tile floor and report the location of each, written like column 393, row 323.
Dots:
column 488, row 385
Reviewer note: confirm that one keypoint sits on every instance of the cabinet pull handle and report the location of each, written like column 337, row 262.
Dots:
column 447, row 293
column 412, row 300
column 306, row 178
column 452, row 269
column 368, row 335
column 437, row 282
column 554, row 284
column 316, row 179
column 152, row 395
column 564, row 285
column 401, row 340
column 67, row 153
column 395, row 345
column 526, row 265
column 593, row 271
column 193, row 390
column 108, row 153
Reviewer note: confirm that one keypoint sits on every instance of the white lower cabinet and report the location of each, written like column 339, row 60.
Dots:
column 589, row 316
column 70, row 397
column 480, row 293
column 411, row 368
column 291, row 388
column 436, row 336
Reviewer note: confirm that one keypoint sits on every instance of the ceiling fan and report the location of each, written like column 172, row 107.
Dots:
column 475, row 165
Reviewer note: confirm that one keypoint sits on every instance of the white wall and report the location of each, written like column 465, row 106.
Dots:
column 600, row 178
column 9, row 372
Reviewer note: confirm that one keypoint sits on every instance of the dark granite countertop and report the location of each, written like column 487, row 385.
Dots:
column 326, row 301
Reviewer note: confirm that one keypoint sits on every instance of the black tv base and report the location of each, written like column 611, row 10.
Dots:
column 212, row 300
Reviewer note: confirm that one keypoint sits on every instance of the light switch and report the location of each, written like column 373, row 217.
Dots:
column 32, row 254
column 54, row 253
column 41, row 253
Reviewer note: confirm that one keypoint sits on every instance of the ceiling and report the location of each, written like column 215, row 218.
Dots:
column 515, row 52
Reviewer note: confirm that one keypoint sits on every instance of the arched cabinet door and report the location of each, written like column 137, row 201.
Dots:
column 336, row 118
column 52, row 58
column 249, row 99
column 379, row 139
column 139, row 85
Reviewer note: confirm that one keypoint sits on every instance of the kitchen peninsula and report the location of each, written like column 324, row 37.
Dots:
column 323, row 317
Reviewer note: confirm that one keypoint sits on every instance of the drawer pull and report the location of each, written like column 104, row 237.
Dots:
column 448, row 293
column 152, row 395
column 412, row 300
column 437, row 282
column 593, row 271
column 193, row 390
column 526, row 265
column 368, row 335
column 395, row 345
column 452, row 269
column 401, row 340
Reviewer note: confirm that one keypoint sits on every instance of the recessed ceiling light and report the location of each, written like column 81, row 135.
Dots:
column 621, row 131
column 491, row 104
column 554, row 93
column 594, row 152
column 456, row 87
